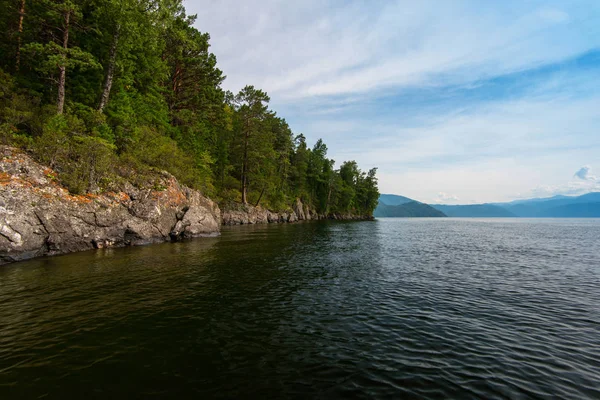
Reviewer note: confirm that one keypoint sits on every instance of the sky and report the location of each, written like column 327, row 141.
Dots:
column 455, row 102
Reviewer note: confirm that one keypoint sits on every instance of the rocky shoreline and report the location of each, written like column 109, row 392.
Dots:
column 239, row 214
column 39, row 217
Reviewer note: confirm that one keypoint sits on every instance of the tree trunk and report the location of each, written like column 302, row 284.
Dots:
column 260, row 197
column 19, row 38
column 328, row 198
column 110, row 72
column 63, row 66
column 245, row 166
column 245, row 173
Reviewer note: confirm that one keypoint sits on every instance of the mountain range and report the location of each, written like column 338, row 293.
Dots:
column 409, row 209
column 585, row 206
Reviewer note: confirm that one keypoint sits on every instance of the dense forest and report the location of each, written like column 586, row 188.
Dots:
column 109, row 91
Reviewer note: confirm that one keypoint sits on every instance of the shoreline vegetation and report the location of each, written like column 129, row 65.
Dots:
column 40, row 217
column 124, row 96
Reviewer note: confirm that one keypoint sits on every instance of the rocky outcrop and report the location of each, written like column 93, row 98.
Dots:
column 39, row 217
column 299, row 210
column 248, row 215
column 238, row 214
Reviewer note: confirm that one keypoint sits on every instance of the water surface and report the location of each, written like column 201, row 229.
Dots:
column 395, row 308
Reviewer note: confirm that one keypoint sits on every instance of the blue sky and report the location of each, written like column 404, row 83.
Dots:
column 454, row 101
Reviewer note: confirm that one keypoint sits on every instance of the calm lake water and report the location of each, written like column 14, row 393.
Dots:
column 395, row 308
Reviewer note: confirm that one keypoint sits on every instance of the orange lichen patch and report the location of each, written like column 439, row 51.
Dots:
column 78, row 198
column 23, row 182
column 8, row 179
column 52, row 176
column 4, row 178
column 172, row 196
column 121, row 196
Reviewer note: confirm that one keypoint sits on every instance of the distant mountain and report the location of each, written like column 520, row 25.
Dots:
column 525, row 201
column 393, row 199
column 411, row 209
column 576, row 210
column 585, row 206
column 474, row 210
column 552, row 207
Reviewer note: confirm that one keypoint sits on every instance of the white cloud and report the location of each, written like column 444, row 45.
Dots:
column 334, row 67
column 447, row 198
column 515, row 128
column 585, row 174
column 582, row 182
column 312, row 48
column 492, row 153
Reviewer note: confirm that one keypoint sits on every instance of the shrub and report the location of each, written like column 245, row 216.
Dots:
column 83, row 162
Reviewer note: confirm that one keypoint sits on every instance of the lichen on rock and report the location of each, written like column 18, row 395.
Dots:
column 40, row 217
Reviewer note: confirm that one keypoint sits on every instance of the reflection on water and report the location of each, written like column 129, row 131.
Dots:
column 391, row 308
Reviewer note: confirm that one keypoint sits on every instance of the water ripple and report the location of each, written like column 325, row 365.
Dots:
column 504, row 309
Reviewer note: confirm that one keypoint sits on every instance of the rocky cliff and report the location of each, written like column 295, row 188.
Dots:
column 245, row 214
column 39, row 217
column 237, row 214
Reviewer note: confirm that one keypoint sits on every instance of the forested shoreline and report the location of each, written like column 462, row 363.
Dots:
column 112, row 91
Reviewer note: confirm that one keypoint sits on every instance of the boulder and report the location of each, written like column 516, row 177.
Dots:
column 292, row 217
column 39, row 217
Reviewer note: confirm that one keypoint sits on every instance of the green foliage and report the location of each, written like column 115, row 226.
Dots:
column 84, row 162
column 49, row 56
column 159, row 152
column 139, row 92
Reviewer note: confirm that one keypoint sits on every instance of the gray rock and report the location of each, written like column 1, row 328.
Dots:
column 298, row 209
column 39, row 217
column 307, row 213
column 283, row 217
column 292, row 217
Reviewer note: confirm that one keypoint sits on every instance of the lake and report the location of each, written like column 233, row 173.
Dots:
column 393, row 308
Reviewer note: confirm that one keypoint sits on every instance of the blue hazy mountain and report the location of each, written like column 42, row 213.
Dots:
column 585, row 206
column 560, row 207
column 474, row 210
column 393, row 199
column 575, row 210
column 391, row 205
column 538, row 199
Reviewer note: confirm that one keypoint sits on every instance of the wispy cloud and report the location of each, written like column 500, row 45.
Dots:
column 447, row 198
column 309, row 48
column 483, row 101
column 583, row 181
column 585, row 174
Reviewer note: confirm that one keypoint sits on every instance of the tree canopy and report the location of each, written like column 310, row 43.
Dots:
column 112, row 90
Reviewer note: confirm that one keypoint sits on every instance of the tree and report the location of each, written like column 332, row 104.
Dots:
column 57, row 54
column 134, row 90
column 121, row 24
column 20, row 34
column 252, row 109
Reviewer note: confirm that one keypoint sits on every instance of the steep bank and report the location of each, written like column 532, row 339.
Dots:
column 39, row 217
column 238, row 214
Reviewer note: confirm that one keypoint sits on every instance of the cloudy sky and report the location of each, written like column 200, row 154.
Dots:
column 454, row 101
